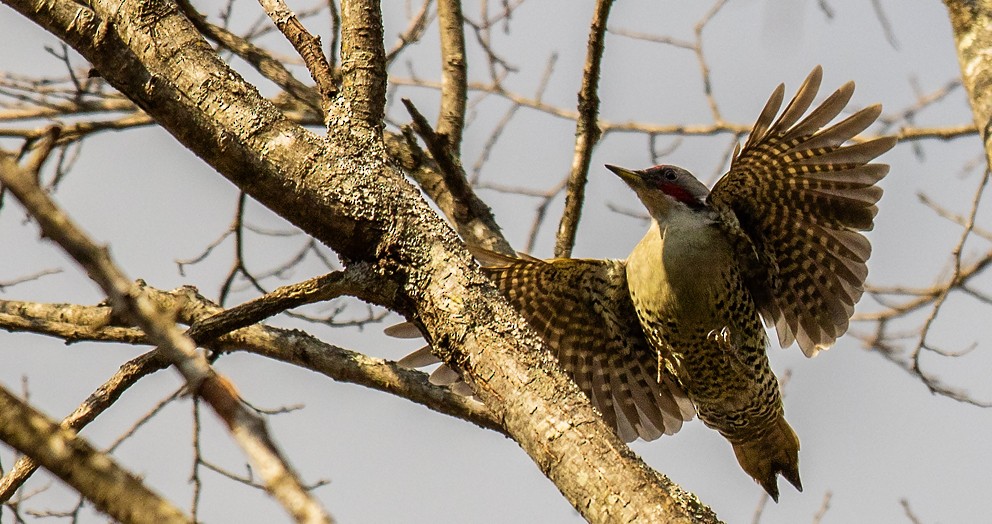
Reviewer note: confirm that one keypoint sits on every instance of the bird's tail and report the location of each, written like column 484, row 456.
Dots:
column 770, row 454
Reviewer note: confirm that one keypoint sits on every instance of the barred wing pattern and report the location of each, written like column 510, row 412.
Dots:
column 583, row 311
column 801, row 197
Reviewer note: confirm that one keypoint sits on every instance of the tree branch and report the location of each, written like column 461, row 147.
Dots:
column 307, row 45
column 94, row 323
column 451, row 191
column 587, row 132
column 111, row 488
column 454, row 78
column 363, row 61
column 98, row 401
column 259, row 58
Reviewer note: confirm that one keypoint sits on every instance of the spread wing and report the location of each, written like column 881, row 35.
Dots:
column 583, row 311
column 800, row 197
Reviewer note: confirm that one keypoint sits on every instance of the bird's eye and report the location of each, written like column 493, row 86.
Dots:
column 670, row 175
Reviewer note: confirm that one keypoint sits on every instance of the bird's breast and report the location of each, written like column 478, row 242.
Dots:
column 681, row 271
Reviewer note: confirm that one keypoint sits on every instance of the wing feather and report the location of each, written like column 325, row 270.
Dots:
column 801, row 196
column 583, row 311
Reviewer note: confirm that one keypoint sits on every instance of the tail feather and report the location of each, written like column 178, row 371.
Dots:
column 774, row 453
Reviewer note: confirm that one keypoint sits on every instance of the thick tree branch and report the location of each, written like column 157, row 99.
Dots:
column 587, row 132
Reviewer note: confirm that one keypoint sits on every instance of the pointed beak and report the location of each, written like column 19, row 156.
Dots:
column 632, row 178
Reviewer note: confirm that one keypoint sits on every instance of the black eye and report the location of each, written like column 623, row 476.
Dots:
column 670, row 175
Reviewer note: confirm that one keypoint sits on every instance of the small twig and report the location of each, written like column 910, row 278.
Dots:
column 414, row 31
column 194, row 477
column 28, row 278
column 956, row 256
column 890, row 35
column 150, row 414
column 587, row 131
column 827, row 10
column 704, row 68
column 824, row 507
column 759, row 510
column 332, row 9
column 306, row 44
column 471, row 216
column 500, row 126
column 913, row 519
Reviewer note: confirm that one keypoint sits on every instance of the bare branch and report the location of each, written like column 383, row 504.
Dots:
column 28, row 278
column 454, row 78
column 452, row 192
column 587, row 131
column 363, row 61
column 112, row 489
column 260, row 59
column 414, row 31
column 307, row 45
column 890, row 35
column 98, row 401
column 93, row 323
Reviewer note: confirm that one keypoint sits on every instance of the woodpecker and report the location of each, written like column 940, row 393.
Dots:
column 676, row 328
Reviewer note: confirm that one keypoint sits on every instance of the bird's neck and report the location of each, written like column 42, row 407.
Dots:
column 681, row 218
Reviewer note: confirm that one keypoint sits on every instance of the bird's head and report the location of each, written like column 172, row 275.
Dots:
column 662, row 187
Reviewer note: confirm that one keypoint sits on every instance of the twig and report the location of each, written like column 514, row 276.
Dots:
column 890, row 35
column 414, row 31
column 28, row 278
column 500, row 126
column 824, row 507
column 453, row 194
column 913, row 519
column 306, row 44
column 587, row 132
